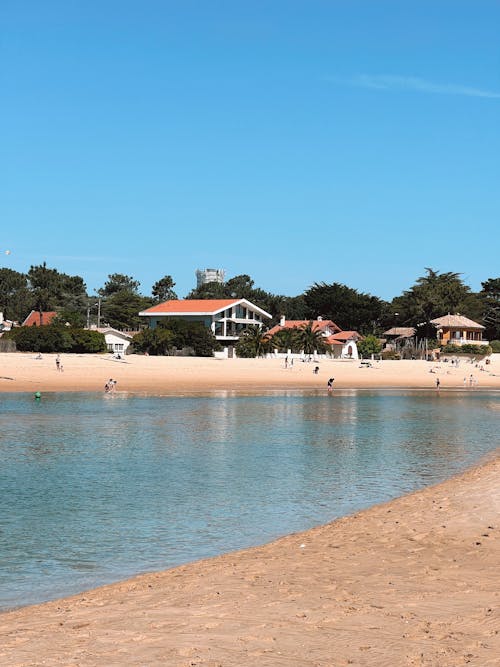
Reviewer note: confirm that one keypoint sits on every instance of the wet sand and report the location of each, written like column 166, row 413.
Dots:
column 411, row 582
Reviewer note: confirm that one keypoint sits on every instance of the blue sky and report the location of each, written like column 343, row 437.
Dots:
column 354, row 142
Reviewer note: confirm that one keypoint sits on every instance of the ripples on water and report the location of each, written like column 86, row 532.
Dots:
column 96, row 488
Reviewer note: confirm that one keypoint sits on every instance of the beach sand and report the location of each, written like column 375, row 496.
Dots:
column 156, row 375
column 410, row 582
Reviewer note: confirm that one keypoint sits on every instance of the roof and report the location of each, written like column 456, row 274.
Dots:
column 33, row 318
column 110, row 330
column 346, row 335
column 316, row 325
column 454, row 321
column 181, row 307
column 403, row 332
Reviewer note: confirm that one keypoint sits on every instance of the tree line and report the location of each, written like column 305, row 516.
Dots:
column 120, row 300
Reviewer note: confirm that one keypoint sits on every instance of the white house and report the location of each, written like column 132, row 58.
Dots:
column 226, row 318
column 117, row 341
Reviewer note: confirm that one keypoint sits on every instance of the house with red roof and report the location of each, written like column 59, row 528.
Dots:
column 226, row 318
column 342, row 343
column 37, row 319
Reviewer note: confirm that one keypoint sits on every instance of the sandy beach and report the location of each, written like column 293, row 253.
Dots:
column 157, row 375
column 411, row 582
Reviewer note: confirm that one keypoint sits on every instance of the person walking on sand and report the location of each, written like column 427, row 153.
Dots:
column 58, row 362
column 329, row 384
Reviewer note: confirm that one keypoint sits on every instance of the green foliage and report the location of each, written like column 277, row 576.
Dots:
column 495, row 346
column 390, row 355
column 157, row 342
column 309, row 341
column 87, row 341
column 52, row 290
column 252, row 343
column 16, row 300
column 176, row 335
column 119, row 282
column 121, row 310
column 476, row 350
column 163, row 290
column 64, row 317
column 490, row 297
column 55, row 338
column 348, row 308
column 285, row 340
column 432, row 296
column 369, row 345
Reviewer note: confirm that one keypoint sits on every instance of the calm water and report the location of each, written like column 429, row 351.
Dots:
column 96, row 488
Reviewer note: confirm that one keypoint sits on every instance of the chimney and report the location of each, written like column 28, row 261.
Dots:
column 282, row 321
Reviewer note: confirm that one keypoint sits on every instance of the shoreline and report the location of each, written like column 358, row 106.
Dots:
column 408, row 582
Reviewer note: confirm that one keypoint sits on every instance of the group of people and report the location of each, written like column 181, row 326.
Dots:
column 110, row 386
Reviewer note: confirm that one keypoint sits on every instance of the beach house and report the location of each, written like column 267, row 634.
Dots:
column 226, row 318
column 342, row 344
column 458, row 330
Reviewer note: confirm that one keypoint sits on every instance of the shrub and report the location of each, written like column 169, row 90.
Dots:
column 475, row 350
column 390, row 355
column 54, row 338
column 369, row 345
column 495, row 346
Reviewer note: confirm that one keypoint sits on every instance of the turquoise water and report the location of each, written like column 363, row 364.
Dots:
column 95, row 488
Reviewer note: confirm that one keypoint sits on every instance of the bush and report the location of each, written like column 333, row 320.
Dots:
column 495, row 346
column 170, row 337
column 390, row 355
column 54, row 338
column 475, row 350
column 369, row 345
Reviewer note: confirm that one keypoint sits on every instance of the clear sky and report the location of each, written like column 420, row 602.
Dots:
column 297, row 141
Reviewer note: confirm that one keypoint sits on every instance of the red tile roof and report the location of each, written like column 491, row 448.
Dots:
column 33, row 318
column 192, row 306
column 317, row 325
column 346, row 335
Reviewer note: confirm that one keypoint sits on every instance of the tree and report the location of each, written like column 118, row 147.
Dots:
column 253, row 342
column 490, row 297
column 432, row 296
column 348, row 308
column 119, row 282
column 121, row 310
column 369, row 345
column 16, row 300
column 176, row 335
column 52, row 290
column 308, row 340
column 163, row 289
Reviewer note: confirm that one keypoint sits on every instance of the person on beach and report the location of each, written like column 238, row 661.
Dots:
column 329, row 384
column 316, row 370
column 58, row 362
column 438, row 383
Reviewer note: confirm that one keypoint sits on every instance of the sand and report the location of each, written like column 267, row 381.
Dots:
column 156, row 375
column 411, row 582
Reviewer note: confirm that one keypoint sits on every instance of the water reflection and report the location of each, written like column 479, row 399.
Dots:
column 97, row 488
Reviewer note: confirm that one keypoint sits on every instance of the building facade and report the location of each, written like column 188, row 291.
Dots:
column 226, row 318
